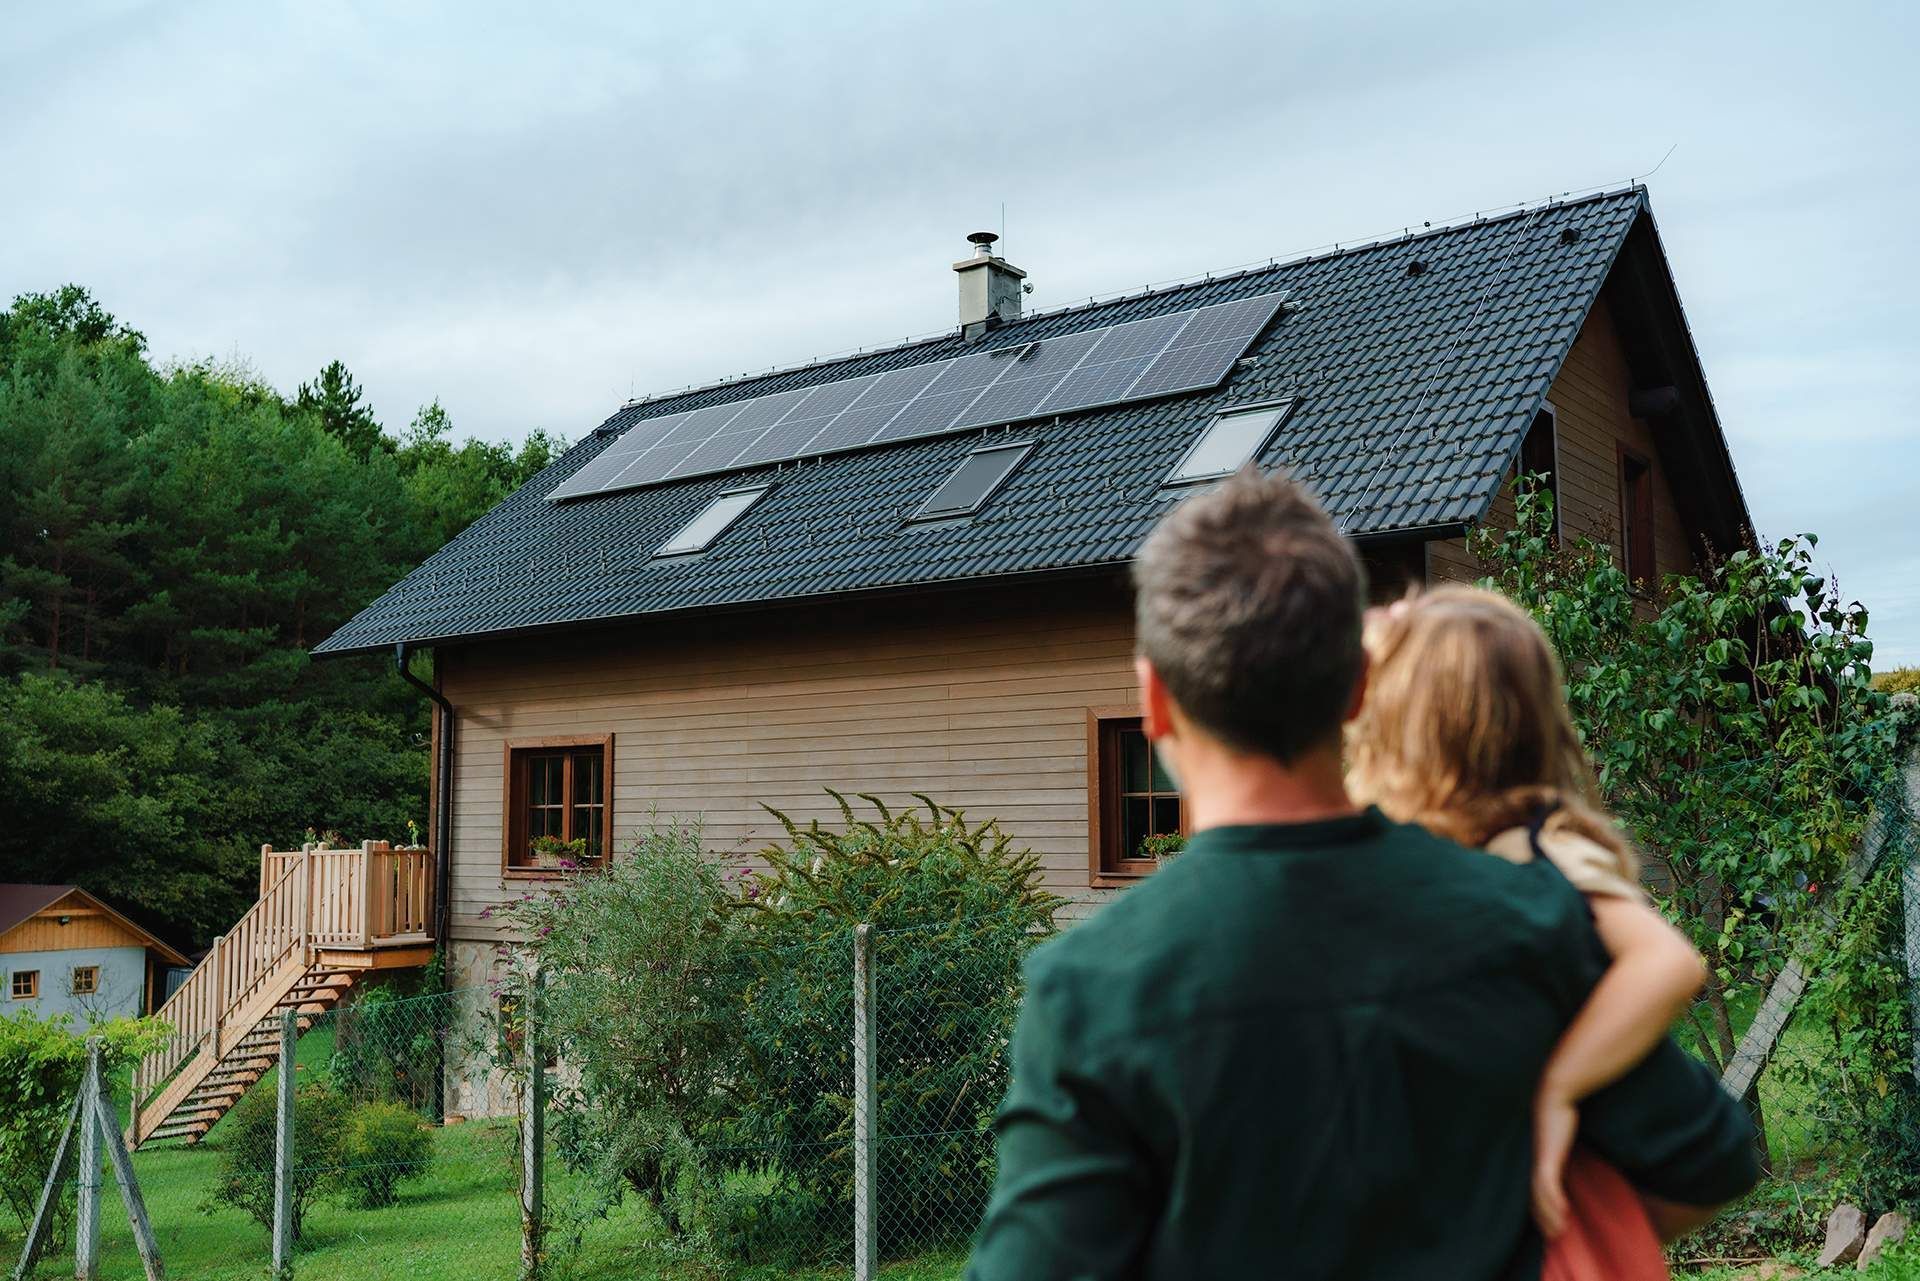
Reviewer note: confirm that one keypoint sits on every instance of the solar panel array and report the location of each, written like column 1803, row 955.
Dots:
column 1140, row 360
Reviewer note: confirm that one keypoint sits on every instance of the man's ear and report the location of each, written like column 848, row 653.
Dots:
column 1156, row 705
column 1359, row 698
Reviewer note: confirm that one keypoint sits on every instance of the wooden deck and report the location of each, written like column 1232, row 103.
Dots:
column 324, row 917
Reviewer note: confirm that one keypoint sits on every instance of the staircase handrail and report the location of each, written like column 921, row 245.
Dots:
column 270, row 931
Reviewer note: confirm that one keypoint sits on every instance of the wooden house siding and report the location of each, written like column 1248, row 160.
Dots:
column 1592, row 423
column 978, row 698
column 87, row 927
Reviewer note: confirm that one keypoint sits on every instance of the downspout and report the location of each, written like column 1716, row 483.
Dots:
column 442, row 859
column 442, row 804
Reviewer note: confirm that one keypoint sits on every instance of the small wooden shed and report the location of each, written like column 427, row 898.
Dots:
column 63, row 951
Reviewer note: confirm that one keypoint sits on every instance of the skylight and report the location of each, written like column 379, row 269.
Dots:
column 1230, row 440
column 979, row 474
column 714, row 520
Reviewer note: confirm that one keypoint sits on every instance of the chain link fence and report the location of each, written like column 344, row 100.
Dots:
column 853, row 1130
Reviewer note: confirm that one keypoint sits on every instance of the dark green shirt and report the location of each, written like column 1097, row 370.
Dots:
column 1309, row 1051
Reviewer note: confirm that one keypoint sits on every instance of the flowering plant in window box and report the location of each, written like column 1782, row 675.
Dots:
column 1162, row 847
column 552, row 852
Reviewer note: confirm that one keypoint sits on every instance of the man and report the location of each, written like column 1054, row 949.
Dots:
column 1307, row 1047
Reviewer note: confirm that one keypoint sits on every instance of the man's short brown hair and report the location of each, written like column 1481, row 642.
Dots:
column 1248, row 603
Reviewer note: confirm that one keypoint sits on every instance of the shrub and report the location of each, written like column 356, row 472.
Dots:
column 42, row 1063
column 644, row 981
column 386, row 1047
column 382, row 1146
column 245, row 1175
column 954, row 908
column 761, row 1218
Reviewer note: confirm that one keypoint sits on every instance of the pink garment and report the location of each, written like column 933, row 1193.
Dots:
column 1608, row 1236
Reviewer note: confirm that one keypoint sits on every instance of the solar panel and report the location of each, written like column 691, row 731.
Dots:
column 1140, row 360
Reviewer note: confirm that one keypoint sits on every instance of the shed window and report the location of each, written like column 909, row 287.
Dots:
column 975, row 480
column 1132, row 798
column 86, row 980
column 1636, row 517
column 1539, row 457
column 557, row 804
column 25, row 985
column 714, row 520
column 1230, row 441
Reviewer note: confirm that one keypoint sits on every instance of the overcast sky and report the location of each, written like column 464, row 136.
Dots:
column 534, row 212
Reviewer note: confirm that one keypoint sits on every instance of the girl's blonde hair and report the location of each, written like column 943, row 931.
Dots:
column 1465, row 728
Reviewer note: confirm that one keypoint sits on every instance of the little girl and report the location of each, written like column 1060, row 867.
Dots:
column 1465, row 731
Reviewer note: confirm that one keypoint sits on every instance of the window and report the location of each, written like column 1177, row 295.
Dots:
column 1229, row 441
column 975, row 480
column 1539, row 456
column 1130, row 797
column 557, row 805
column 714, row 520
column 26, row 985
column 1636, row 516
column 86, row 980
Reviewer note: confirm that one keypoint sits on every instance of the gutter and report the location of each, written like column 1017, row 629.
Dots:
column 443, row 802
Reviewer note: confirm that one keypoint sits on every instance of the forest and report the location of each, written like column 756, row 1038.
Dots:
column 174, row 538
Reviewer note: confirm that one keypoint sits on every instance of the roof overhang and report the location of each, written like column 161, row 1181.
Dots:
column 76, row 897
column 1669, row 390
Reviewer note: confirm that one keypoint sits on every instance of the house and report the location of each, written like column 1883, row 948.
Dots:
column 905, row 570
column 63, row 951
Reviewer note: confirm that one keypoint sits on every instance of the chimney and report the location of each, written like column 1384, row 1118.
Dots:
column 989, row 287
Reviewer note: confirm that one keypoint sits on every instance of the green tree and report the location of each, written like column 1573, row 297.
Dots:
column 337, row 401
column 171, row 546
column 1737, row 735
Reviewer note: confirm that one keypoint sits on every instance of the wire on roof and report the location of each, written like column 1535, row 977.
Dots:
column 1620, row 187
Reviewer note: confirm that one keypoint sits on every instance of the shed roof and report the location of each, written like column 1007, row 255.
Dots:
column 1413, row 389
column 20, row 903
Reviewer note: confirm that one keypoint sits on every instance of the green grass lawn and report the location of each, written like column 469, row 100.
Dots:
column 459, row 1223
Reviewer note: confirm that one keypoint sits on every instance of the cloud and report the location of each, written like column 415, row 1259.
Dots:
column 532, row 214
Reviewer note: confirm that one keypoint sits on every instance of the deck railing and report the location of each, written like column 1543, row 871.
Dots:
column 311, row 899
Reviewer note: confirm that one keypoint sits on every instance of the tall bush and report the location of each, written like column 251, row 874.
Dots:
column 644, row 963
column 704, row 1019
column 1738, row 735
column 954, row 907
column 42, row 1062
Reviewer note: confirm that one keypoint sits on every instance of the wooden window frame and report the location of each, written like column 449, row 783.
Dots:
column 93, row 980
column 1552, row 416
column 1103, row 800
column 1643, row 530
column 513, row 817
column 32, row 992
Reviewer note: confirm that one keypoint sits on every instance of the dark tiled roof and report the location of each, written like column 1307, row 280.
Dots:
column 19, row 902
column 1414, row 390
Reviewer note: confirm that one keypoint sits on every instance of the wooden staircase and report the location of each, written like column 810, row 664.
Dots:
column 325, row 917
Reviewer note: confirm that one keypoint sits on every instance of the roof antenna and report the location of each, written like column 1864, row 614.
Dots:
column 1656, row 169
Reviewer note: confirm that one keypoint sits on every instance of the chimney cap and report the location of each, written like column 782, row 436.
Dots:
column 983, row 240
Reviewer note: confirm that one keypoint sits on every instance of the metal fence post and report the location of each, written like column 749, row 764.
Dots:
column 533, row 1137
column 283, row 1154
column 86, row 1235
column 866, row 1231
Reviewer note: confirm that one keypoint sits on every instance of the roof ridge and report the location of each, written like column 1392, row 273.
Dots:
column 1338, row 248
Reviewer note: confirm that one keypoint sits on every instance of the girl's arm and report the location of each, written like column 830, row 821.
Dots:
column 1654, row 977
